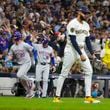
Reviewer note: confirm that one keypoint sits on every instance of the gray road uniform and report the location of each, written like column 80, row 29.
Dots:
column 43, row 65
column 22, row 54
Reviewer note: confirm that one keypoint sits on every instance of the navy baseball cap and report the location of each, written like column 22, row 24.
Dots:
column 84, row 10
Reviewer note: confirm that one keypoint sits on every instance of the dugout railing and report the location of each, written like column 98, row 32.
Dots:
column 106, row 78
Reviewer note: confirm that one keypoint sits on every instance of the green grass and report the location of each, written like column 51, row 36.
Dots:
column 21, row 103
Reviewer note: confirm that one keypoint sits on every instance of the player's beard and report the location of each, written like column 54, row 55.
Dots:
column 83, row 18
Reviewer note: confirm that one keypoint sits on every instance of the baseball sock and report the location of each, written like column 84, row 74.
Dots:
column 59, row 85
column 44, row 90
column 88, row 81
column 25, row 85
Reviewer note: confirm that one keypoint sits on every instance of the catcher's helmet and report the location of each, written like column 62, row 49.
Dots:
column 17, row 35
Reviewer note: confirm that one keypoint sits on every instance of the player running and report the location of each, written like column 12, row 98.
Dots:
column 21, row 51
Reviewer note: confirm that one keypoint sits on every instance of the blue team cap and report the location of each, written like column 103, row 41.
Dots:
column 17, row 35
column 45, row 41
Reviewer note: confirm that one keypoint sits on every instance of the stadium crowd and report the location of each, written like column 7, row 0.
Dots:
column 39, row 19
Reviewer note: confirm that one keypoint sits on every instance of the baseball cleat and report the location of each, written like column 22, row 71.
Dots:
column 57, row 100
column 30, row 95
column 91, row 100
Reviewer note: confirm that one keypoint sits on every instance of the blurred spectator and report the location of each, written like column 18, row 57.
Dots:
column 96, row 92
column 96, row 43
column 106, row 3
column 105, row 54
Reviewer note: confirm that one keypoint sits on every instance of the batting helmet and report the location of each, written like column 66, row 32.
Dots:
column 45, row 41
column 17, row 35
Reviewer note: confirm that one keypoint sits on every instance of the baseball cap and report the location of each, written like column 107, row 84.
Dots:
column 84, row 9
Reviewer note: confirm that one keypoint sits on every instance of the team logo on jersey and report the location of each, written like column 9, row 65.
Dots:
column 81, row 32
column 72, row 30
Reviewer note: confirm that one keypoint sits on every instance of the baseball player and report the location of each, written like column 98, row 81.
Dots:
column 45, row 58
column 77, row 37
column 21, row 51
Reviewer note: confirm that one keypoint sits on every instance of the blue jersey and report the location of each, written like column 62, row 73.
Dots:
column 4, row 44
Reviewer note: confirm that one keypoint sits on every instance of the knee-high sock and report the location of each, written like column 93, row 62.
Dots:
column 59, row 85
column 25, row 85
column 88, row 81
column 38, row 86
column 44, row 90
